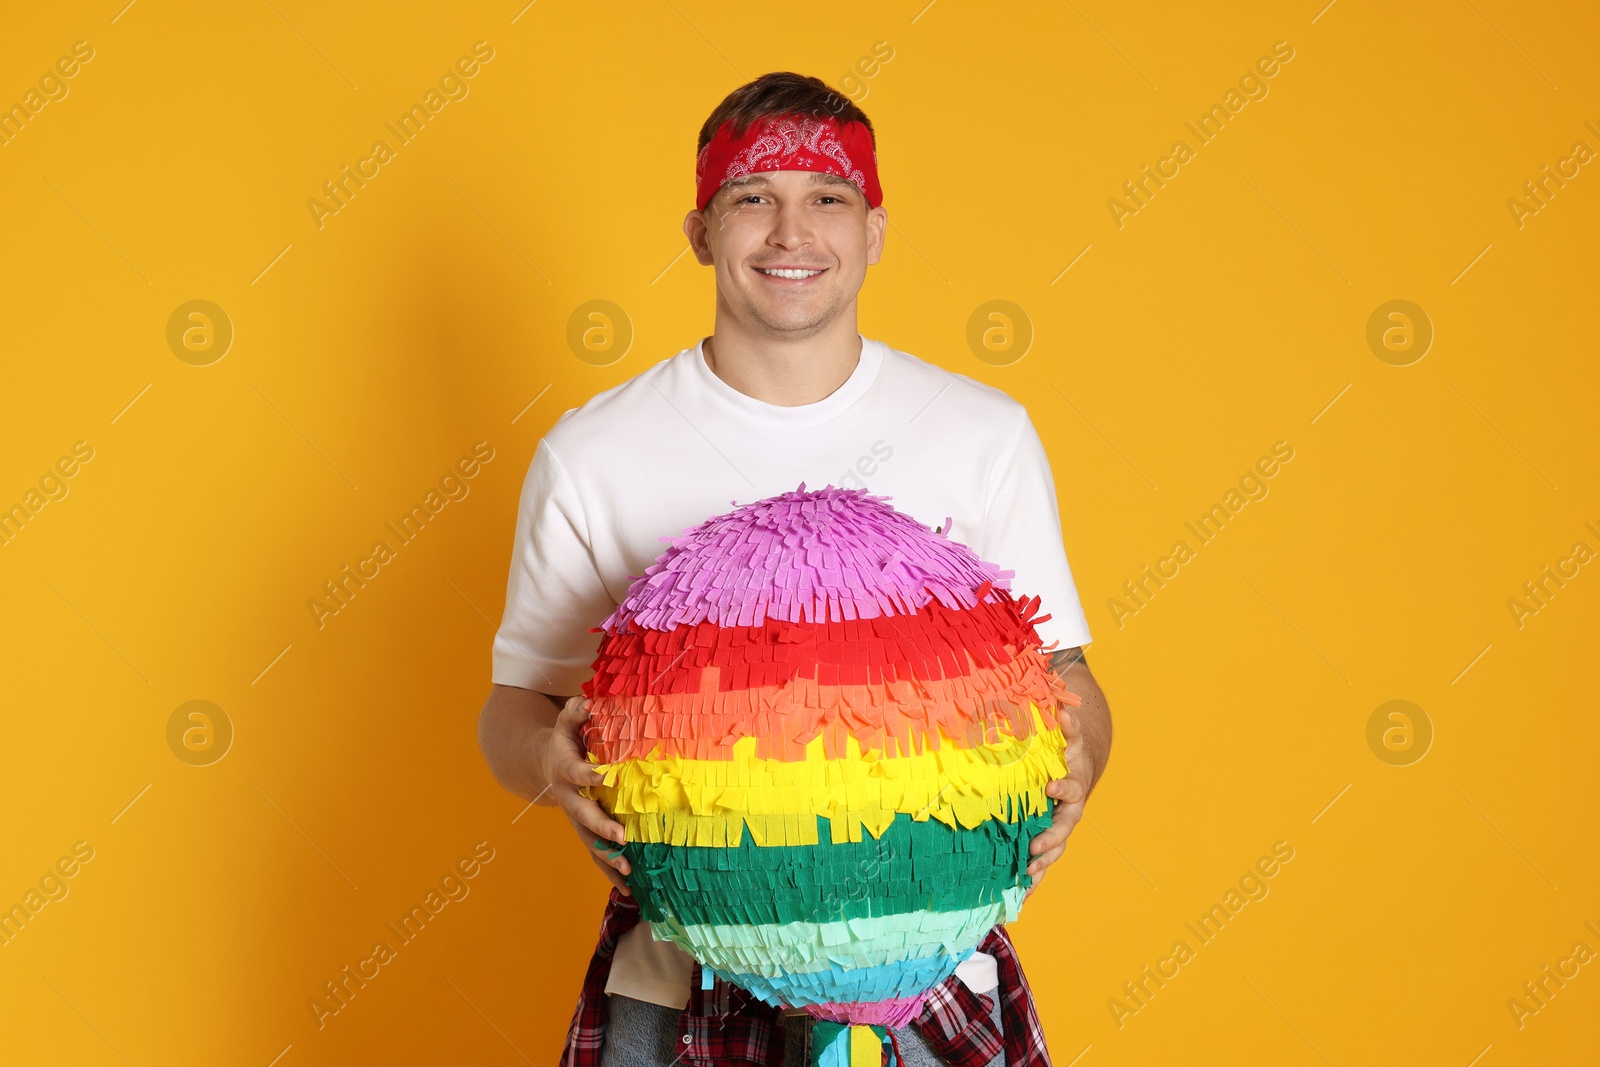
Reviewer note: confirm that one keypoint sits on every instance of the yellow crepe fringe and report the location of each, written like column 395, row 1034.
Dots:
column 710, row 803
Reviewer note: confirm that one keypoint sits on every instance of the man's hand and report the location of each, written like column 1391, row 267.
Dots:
column 533, row 744
column 1087, row 730
column 567, row 768
column 1070, row 793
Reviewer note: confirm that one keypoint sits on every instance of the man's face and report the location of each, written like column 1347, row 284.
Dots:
column 787, row 220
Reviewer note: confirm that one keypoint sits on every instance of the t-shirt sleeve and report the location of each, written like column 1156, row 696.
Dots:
column 554, row 593
column 1022, row 532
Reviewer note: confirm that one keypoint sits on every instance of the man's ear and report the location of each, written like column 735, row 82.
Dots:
column 698, row 233
column 877, row 230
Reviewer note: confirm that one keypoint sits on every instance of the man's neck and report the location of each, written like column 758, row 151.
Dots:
column 785, row 373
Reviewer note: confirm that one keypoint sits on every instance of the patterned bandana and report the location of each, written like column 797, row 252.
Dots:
column 788, row 142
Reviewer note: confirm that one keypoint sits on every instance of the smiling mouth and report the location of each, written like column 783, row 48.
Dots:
column 791, row 273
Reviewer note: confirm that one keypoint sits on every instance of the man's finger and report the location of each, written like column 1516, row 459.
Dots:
column 612, row 874
column 573, row 767
column 1069, row 725
column 1049, row 839
column 1069, row 790
column 569, row 721
column 572, row 717
column 1062, row 824
column 605, row 852
column 566, row 747
column 1069, row 817
column 588, row 816
column 1039, row 863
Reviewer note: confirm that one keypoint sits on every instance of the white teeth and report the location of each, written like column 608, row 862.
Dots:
column 795, row 274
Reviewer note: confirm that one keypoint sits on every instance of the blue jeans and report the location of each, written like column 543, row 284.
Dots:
column 641, row 1034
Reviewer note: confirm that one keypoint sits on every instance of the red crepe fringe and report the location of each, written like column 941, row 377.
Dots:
column 926, row 645
column 894, row 683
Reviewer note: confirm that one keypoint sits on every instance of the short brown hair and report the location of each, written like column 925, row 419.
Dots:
column 781, row 93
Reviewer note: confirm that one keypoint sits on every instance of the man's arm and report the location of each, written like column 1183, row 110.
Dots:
column 1093, row 715
column 514, row 732
column 532, row 744
column 1087, row 728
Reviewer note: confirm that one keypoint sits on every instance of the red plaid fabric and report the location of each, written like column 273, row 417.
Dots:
column 726, row 1025
column 956, row 1023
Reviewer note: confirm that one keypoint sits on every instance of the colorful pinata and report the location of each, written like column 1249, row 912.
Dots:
column 827, row 731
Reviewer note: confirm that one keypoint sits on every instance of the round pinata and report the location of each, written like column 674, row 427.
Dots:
column 827, row 731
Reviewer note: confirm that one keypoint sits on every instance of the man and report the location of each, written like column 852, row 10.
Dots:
column 786, row 390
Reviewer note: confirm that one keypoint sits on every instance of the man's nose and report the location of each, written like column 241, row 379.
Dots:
column 791, row 228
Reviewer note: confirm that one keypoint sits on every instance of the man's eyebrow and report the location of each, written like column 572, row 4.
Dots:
column 818, row 177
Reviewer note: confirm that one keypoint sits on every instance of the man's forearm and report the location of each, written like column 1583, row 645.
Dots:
column 1093, row 715
column 513, row 730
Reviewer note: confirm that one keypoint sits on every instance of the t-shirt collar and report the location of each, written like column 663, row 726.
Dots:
column 860, row 380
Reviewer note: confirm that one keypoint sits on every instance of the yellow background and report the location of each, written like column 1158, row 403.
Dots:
column 427, row 314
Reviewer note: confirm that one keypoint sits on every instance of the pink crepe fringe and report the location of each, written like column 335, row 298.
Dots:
column 893, row 1013
column 825, row 555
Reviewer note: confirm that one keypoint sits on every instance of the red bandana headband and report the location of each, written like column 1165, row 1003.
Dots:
column 788, row 142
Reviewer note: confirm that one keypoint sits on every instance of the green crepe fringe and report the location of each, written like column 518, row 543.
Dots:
column 913, row 866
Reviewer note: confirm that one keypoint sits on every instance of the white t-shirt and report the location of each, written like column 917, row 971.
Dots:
column 675, row 445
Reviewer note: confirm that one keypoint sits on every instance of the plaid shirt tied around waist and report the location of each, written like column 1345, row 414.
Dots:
column 726, row 1025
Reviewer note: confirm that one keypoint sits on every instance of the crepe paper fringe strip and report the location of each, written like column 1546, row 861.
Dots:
column 868, row 988
column 895, row 1012
column 709, row 802
column 898, row 708
column 912, row 939
column 927, row 643
column 892, row 1013
column 899, row 718
column 915, row 866
column 884, row 994
column 908, row 936
column 830, row 554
